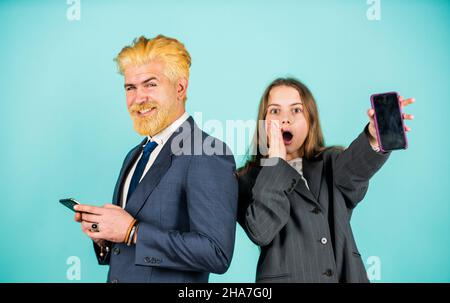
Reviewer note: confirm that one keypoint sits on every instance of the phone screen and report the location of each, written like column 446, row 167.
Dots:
column 389, row 121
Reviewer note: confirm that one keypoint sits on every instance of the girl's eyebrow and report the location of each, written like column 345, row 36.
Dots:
column 274, row 104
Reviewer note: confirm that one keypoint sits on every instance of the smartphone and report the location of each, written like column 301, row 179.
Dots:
column 69, row 203
column 389, row 122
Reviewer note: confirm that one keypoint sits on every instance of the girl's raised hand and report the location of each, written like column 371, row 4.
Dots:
column 371, row 113
column 275, row 139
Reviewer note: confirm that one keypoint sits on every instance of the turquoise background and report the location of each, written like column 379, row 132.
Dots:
column 65, row 129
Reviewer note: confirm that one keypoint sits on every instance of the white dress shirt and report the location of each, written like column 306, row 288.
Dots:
column 160, row 138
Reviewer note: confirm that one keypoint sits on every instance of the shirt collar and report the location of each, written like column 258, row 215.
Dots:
column 296, row 162
column 165, row 134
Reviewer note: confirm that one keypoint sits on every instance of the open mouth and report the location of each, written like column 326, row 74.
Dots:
column 287, row 137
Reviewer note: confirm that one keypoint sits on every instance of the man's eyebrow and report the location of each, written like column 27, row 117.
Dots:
column 143, row 82
column 149, row 79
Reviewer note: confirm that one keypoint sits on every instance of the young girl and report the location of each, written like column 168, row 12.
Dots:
column 296, row 201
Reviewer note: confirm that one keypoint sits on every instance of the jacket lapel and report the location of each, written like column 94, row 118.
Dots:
column 157, row 170
column 132, row 157
column 312, row 172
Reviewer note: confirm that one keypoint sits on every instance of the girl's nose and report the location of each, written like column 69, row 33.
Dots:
column 285, row 120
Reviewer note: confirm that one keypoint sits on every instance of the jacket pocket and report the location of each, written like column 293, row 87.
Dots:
column 275, row 276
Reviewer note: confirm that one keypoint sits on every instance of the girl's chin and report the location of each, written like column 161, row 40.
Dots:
column 292, row 151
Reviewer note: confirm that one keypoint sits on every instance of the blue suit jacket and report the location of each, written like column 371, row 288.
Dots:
column 186, row 206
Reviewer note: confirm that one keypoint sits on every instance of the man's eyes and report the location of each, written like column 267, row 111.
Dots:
column 150, row 84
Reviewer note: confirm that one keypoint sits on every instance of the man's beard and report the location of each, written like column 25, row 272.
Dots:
column 152, row 124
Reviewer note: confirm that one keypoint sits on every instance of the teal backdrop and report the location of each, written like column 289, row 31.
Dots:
column 65, row 129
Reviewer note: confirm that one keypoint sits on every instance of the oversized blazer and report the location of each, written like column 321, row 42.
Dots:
column 305, row 234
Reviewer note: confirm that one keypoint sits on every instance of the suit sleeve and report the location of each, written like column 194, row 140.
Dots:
column 211, row 197
column 353, row 167
column 264, row 207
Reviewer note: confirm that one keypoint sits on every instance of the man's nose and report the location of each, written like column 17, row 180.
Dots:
column 141, row 97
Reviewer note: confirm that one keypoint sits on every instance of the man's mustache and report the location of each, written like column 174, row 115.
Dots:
column 142, row 106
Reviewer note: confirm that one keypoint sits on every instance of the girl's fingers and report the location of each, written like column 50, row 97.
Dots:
column 406, row 102
column 408, row 117
column 275, row 137
column 274, row 129
column 407, row 128
column 268, row 130
column 371, row 113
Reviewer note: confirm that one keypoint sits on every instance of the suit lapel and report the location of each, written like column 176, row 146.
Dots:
column 312, row 172
column 129, row 161
column 157, row 170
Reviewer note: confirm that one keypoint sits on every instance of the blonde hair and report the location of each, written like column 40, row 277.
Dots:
column 169, row 51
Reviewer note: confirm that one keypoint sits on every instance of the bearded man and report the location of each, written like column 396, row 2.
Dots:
column 173, row 213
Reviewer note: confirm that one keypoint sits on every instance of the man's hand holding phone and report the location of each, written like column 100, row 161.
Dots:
column 111, row 222
column 99, row 242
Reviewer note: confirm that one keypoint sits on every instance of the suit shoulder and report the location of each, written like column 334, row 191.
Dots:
column 200, row 143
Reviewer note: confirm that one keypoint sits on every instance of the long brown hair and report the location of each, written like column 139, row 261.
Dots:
column 314, row 143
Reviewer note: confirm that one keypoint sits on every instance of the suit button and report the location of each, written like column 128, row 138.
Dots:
column 328, row 273
column 147, row 260
column 316, row 210
column 116, row 251
column 324, row 241
column 114, row 281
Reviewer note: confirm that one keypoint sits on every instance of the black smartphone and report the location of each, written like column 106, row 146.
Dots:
column 69, row 203
column 389, row 122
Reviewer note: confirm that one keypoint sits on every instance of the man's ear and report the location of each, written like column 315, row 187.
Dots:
column 182, row 85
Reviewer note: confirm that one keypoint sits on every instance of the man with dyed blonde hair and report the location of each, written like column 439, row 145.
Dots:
column 173, row 214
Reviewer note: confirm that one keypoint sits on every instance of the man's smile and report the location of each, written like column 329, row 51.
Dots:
column 146, row 112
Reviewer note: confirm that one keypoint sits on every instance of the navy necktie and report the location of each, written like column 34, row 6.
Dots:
column 140, row 167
